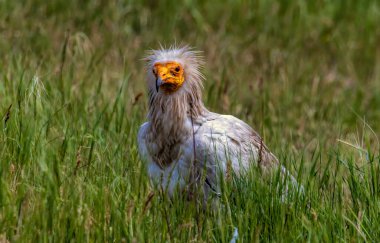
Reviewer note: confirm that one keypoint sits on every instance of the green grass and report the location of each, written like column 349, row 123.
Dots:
column 305, row 74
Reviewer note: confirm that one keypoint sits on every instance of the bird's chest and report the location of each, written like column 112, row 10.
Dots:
column 165, row 152
column 166, row 145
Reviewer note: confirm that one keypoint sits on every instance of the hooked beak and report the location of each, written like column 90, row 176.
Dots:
column 158, row 83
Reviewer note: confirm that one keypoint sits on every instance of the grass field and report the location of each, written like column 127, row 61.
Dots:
column 304, row 74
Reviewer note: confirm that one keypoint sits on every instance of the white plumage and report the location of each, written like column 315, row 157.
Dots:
column 182, row 142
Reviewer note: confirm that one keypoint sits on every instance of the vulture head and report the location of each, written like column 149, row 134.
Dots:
column 174, row 72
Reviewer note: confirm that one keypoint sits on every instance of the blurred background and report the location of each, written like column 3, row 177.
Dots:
column 310, row 69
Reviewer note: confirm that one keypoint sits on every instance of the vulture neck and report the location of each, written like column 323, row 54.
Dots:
column 172, row 116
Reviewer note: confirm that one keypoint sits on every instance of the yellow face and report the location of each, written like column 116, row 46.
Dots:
column 169, row 76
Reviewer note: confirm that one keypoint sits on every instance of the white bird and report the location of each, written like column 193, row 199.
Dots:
column 182, row 142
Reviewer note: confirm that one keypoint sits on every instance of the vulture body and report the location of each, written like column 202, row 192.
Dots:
column 183, row 143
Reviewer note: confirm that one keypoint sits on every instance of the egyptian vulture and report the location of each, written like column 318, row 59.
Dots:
column 182, row 142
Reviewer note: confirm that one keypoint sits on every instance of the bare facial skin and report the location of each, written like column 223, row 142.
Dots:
column 169, row 76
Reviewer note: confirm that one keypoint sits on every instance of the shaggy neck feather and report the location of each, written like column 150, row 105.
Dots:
column 170, row 122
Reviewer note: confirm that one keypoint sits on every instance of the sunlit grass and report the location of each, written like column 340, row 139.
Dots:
column 305, row 75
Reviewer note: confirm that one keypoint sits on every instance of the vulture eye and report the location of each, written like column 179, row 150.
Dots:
column 177, row 69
